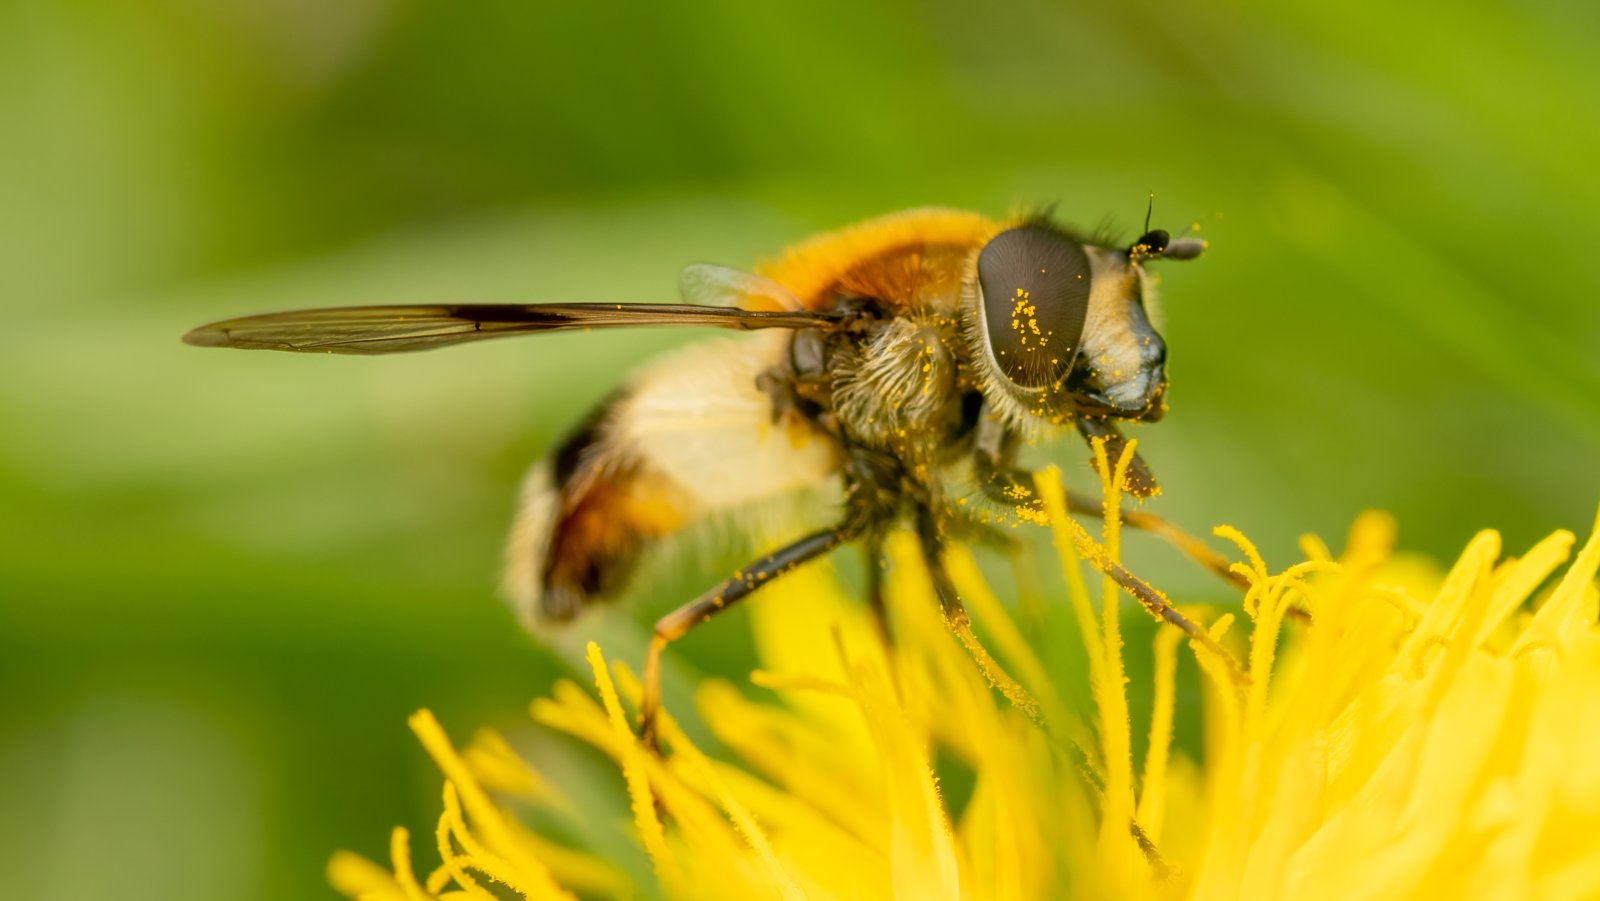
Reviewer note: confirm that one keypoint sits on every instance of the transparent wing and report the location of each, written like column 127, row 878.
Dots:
column 719, row 286
column 394, row 329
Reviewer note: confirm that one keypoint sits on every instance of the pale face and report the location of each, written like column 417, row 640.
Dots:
column 1122, row 367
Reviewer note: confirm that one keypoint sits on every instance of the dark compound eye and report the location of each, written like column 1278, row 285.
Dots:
column 1035, row 289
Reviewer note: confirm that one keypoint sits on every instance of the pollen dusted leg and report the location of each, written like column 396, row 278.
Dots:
column 932, row 541
column 1008, row 486
column 1158, row 605
column 1187, row 544
column 744, row 582
column 1011, row 487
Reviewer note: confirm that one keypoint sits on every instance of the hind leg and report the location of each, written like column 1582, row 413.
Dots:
column 741, row 585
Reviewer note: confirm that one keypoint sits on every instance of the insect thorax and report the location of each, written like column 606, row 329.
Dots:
column 898, row 387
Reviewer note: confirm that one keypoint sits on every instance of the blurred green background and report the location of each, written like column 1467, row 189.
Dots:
column 227, row 578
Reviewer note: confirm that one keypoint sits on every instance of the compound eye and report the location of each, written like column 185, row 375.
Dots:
column 1034, row 285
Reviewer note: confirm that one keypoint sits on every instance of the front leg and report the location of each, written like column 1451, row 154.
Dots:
column 1141, row 481
column 1013, row 487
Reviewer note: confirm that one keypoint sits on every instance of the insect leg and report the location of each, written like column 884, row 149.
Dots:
column 1187, row 544
column 875, row 562
column 932, row 542
column 743, row 583
column 1007, row 486
column 1160, row 607
column 1014, row 488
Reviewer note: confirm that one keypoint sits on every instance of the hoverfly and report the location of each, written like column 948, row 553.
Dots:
column 906, row 359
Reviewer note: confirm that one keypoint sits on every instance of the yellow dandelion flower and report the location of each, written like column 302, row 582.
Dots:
column 1377, row 733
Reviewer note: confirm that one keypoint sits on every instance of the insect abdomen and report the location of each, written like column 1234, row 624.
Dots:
column 586, row 515
column 691, row 436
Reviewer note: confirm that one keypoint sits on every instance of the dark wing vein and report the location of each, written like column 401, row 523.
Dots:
column 393, row 329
